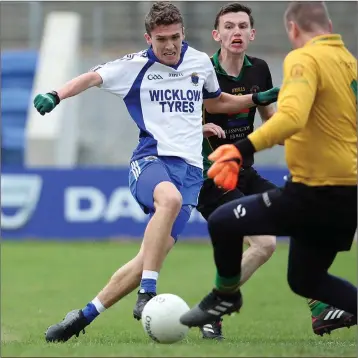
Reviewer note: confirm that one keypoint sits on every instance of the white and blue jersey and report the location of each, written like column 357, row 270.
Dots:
column 166, row 104
column 164, row 101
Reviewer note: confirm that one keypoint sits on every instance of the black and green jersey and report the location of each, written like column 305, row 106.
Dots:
column 255, row 76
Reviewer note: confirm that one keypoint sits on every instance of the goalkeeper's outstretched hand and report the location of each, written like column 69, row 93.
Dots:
column 267, row 97
column 45, row 103
column 227, row 163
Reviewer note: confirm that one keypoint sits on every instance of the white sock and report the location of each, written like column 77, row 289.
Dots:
column 150, row 274
column 99, row 307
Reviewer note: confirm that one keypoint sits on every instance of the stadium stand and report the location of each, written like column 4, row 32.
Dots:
column 17, row 75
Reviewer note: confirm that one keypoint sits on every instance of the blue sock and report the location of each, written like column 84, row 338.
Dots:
column 149, row 281
column 90, row 312
column 148, row 285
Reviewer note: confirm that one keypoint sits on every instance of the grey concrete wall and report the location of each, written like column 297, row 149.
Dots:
column 122, row 22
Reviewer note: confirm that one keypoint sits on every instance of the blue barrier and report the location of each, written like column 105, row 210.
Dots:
column 81, row 204
column 18, row 70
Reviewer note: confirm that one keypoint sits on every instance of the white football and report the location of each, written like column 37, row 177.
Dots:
column 160, row 318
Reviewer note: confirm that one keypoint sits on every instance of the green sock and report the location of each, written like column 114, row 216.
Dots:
column 225, row 284
column 316, row 307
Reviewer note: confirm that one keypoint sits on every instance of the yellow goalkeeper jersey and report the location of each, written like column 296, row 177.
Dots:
column 316, row 114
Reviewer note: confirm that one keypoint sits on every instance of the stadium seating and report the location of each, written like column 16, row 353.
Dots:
column 17, row 75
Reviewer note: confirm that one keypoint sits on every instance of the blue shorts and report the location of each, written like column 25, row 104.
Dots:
column 146, row 173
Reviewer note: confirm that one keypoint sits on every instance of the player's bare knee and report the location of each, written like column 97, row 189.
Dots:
column 264, row 245
column 172, row 203
column 268, row 246
column 167, row 198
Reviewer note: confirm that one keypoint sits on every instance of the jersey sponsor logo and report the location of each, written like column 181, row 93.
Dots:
column 153, row 76
column 237, row 132
column 194, row 78
column 172, row 100
column 238, row 89
column 175, row 95
column 176, row 74
column 255, row 89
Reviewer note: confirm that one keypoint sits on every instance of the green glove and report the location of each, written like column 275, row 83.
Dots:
column 45, row 103
column 267, row 97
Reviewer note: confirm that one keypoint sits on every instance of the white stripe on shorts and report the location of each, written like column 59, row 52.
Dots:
column 135, row 169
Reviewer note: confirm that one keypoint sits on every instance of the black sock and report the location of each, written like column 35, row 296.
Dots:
column 337, row 292
column 228, row 248
column 308, row 276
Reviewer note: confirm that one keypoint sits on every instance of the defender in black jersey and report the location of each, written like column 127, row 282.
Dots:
column 241, row 74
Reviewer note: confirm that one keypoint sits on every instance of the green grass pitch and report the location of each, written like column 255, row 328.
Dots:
column 42, row 281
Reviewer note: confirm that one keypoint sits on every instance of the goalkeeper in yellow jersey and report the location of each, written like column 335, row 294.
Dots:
column 317, row 208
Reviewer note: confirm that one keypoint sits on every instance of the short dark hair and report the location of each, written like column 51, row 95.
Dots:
column 233, row 7
column 162, row 13
column 308, row 15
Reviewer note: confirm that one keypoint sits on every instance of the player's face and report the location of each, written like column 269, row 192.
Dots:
column 234, row 32
column 167, row 43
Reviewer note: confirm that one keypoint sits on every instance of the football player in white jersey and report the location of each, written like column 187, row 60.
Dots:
column 163, row 88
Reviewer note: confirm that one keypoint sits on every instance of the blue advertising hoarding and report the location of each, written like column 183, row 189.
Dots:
column 81, row 204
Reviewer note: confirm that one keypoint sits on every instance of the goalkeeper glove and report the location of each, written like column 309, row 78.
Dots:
column 267, row 97
column 227, row 163
column 45, row 103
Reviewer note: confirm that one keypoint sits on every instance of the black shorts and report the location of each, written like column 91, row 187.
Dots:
column 211, row 197
column 321, row 217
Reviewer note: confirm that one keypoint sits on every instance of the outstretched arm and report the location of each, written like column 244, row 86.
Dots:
column 45, row 103
column 228, row 103
column 79, row 84
column 216, row 101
